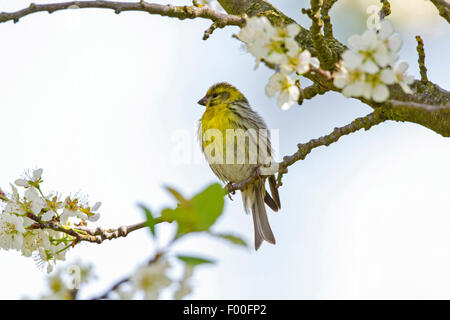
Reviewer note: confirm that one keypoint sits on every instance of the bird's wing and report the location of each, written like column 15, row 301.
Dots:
column 249, row 119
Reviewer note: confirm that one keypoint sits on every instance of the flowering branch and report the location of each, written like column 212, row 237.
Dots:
column 321, row 46
column 181, row 12
column 418, row 93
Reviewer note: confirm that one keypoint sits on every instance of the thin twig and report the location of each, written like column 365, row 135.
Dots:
column 180, row 12
column 443, row 7
column 385, row 9
column 318, row 40
column 115, row 286
column 327, row 26
column 421, row 61
column 304, row 149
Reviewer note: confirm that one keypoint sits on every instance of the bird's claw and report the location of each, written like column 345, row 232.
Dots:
column 232, row 192
column 257, row 173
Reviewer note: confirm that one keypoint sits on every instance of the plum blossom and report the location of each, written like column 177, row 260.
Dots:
column 368, row 66
column 281, row 83
column 270, row 43
column 31, row 179
column 277, row 46
column 403, row 79
column 150, row 279
column 184, row 287
column 11, row 231
column 300, row 62
column 24, row 217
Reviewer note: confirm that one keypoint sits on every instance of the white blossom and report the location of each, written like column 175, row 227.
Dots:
column 72, row 209
column 270, row 43
column 185, row 287
column 36, row 202
column 367, row 67
column 23, row 217
column 49, row 256
column 31, row 179
column 33, row 240
column 300, row 62
column 11, row 231
column 150, row 279
column 283, row 84
column 403, row 79
column 277, row 46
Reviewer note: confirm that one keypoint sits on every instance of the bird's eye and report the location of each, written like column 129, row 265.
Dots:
column 215, row 95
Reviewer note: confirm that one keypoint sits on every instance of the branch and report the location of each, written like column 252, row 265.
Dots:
column 421, row 61
column 385, row 9
column 425, row 94
column 327, row 26
column 116, row 285
column 88, row 235
column 304, row 149
column 443, row 7
column 318, row 39
column 180, row 12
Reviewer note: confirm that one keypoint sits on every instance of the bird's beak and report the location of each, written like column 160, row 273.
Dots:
column 203, row 101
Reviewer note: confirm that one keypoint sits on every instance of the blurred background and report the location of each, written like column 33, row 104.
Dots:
column 98, row 100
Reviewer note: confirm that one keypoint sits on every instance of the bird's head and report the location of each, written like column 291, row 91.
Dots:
column 222, row 93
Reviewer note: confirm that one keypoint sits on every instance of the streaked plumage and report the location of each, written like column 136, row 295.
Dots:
column 227, row 108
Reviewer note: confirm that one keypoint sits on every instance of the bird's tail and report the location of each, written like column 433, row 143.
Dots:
column 260, row 221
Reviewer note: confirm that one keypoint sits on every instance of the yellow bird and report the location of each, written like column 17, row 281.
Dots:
column 236, row 143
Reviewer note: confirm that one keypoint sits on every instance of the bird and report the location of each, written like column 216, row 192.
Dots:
column 236, row 143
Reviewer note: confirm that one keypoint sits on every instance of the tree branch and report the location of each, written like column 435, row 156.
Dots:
column 425, row 94
column 116, row 285
column 443, row 7
column 304, row 149
column 421, row 61
column 180, row 12
column 88, row 235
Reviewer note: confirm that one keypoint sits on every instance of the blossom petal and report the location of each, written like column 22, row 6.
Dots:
column 395, row 42
column 387, row 76
column 380, row 93
column 386, row 29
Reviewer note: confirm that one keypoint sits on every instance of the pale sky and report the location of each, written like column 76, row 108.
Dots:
column 96, row 99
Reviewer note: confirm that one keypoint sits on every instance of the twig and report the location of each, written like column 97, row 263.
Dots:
column 310, row 92
column 322, row 50
column 114, row 287
column 327, row 26
column 421, row 53
column 419, row 106
column 180, row 12
column 443, row 7
column 385, row 9
column 304, row 149
column 97, row 235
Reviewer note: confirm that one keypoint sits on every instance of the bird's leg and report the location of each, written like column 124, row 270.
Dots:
column 229, row 186
column 257, row 173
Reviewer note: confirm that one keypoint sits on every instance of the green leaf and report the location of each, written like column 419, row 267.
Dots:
column 150, row 219
column 231, row 238
column 199, row 213
column 194, row 261
column 176, row 195
column 209, row 205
